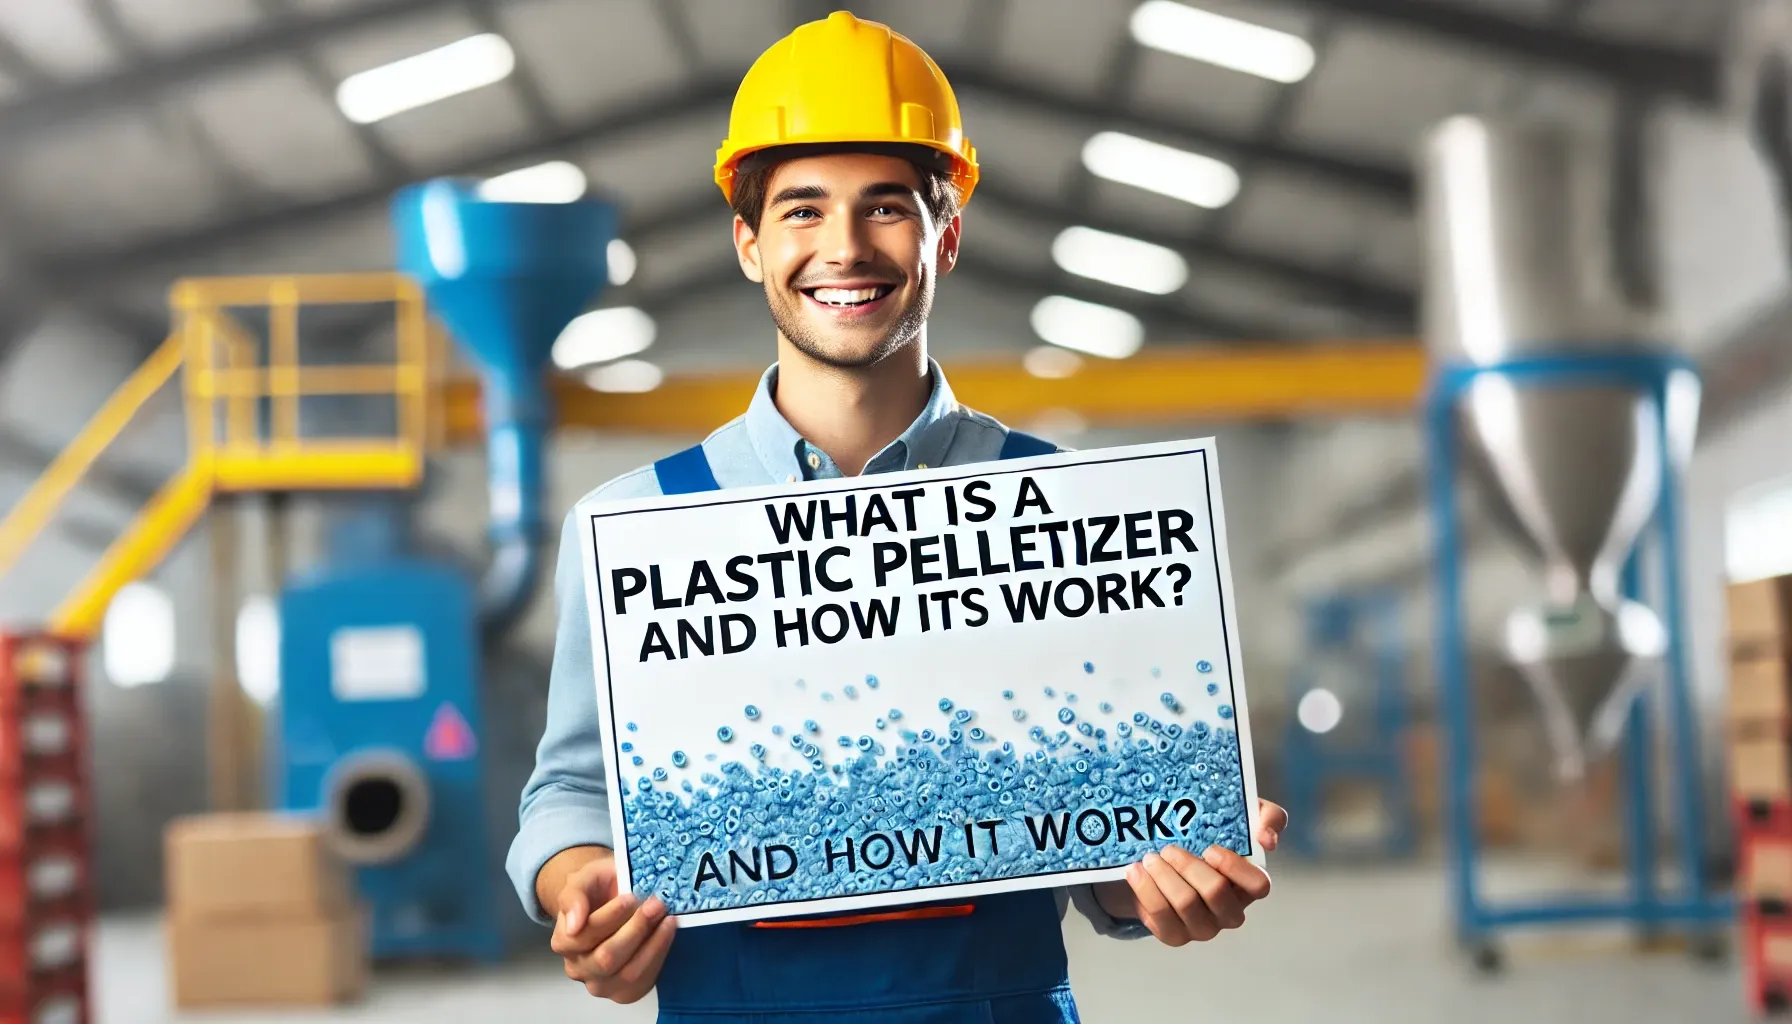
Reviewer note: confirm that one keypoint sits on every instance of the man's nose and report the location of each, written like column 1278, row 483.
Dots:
column 845, row 241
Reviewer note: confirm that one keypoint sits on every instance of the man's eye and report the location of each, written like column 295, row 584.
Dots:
column 800, row 212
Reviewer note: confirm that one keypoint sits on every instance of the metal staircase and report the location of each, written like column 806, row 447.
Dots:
column 242, row 397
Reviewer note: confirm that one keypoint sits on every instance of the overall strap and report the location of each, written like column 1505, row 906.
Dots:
column 1020, row 446
column 685, row 472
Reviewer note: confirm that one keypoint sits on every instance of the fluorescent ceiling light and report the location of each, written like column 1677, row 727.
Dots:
column 1051, row 362
column 1319, row 711
column 425, row 78
column 1226, row 42
column 622, row 262
column 1155, row 167
column 602, row 335
column 258, row 649
column 628, row 376
column 138, row 637
column 1087, row 327
column 1118, row 260
column 553, row 182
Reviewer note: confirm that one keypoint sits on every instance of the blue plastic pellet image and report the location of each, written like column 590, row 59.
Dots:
column 1213, row 689
column 752, row 713
column 1189, row 771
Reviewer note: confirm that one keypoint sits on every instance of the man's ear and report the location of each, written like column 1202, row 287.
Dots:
column 746, row 249
column 947, row 251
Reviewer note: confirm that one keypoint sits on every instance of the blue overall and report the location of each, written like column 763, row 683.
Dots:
column 1003, row 962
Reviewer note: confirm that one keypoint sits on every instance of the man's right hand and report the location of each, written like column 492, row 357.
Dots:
column 612, row 943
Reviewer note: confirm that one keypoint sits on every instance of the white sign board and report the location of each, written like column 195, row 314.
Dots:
column 917, row 686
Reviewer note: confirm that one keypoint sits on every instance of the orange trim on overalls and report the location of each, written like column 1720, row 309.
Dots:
column 847, row 920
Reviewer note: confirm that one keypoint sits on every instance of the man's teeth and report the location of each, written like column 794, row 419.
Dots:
column 846, row 296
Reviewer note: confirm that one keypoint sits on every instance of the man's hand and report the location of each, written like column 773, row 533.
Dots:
column 612, row 943
column 1182, row 898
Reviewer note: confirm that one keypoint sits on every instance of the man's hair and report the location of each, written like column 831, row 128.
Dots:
column 938, row 192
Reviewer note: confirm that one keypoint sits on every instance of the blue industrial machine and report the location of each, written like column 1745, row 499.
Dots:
column 1351, row 722
column 380, row 716
column 1545, row 360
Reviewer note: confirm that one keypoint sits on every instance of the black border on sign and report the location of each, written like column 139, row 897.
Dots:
column 615, row 743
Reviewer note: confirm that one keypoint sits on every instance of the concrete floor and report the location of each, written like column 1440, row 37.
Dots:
column 1342, row 946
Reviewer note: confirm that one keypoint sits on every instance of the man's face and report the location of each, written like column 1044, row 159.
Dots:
column 848, row 255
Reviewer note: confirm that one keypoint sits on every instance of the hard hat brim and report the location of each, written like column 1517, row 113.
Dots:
column 963, row 172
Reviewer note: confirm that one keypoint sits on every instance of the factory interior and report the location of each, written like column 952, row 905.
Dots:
column 1481, row 301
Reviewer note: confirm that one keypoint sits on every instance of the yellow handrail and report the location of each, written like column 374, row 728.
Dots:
column 33, row 512
column 228, row 383
column 149, row 538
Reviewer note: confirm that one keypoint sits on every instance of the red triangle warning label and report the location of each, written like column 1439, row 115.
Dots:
column 450, row 738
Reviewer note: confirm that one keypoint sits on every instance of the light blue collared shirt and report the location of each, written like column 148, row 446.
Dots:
column 566, row 800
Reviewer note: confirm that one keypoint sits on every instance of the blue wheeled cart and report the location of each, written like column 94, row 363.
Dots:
column 1649, row 910
column 1360, row 633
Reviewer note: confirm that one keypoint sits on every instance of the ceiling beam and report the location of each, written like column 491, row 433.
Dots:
column 1641, row 67
column 193, row 245
column 198, row 242
column 700, row 96
column 1163, row 315
column 1183, row 131
column 1330, row 287
column 272, row 37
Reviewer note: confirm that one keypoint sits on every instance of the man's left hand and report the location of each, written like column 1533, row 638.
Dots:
column 1182, row 898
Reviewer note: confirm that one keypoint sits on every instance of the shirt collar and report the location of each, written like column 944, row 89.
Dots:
column 924, row 443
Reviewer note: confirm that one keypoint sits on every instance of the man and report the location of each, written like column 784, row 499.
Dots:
column 846, row 166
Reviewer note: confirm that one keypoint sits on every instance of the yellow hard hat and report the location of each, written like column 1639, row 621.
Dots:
column 852, row 84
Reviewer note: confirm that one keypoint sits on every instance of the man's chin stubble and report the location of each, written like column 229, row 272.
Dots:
column 903, row 331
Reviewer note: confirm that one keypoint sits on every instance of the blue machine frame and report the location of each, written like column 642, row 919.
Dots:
column 1476, row 920
column 1310, row 760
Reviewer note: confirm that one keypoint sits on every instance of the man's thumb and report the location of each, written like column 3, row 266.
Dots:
column 573, row 914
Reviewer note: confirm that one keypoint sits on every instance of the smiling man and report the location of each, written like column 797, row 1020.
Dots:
column 846, row 166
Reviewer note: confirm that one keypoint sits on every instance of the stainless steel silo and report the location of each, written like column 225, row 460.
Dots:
column 1524, row 237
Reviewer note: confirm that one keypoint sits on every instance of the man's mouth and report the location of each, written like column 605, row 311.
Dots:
column 849, row 298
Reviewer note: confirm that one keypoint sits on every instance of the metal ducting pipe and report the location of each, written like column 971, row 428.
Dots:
column 506, row 278
column 376, row 807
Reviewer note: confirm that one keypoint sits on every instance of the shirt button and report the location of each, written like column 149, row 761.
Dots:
column 814, row 461
column 791, row 479
column 920, row 465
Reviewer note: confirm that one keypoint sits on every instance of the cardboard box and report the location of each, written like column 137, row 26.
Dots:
column 1759, row 769
column 1767, row 869
column 1759, row 691
column 1760, row 616
column 252, row 865
column 312, row 961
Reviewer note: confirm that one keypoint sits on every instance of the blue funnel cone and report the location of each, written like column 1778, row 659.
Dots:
column 506, row 279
